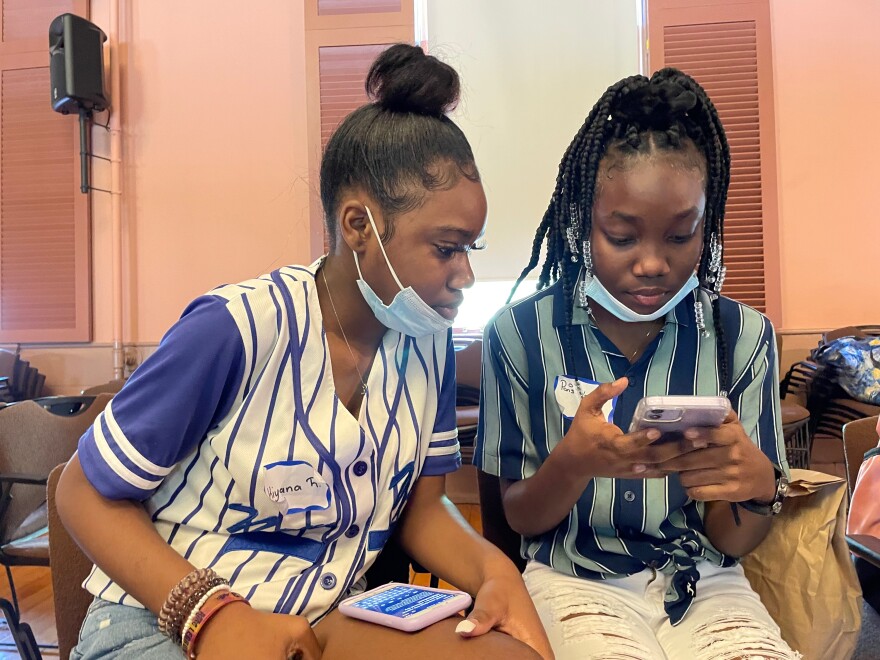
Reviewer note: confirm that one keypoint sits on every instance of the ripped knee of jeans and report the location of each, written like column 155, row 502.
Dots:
column 736, row 635
column 587, row 620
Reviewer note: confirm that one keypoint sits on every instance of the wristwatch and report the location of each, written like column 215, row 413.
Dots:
column 772, row 507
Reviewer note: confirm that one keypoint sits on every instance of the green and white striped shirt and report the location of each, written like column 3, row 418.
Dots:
column 620, row 526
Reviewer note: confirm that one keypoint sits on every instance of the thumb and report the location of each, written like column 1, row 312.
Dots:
column 478, row 622
column 591, row 404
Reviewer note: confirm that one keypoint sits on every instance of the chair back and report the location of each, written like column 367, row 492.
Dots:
column 110, row 387
column 70, row 567
column 495, row 527
column 33, row 440
column 858, row 437
column 468, row 370
column 851, row 331
column 469, row 364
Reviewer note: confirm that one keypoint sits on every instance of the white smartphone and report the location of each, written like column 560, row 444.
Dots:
column 673, row 415
column 406, row 607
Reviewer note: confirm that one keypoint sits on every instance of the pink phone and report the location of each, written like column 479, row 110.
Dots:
column 673, row 415
column 406, row 607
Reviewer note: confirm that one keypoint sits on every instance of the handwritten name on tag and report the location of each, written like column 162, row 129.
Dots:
column 295, row 487
column 568, row 396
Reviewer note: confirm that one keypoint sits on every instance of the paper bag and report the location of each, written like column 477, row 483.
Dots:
column 803, row 571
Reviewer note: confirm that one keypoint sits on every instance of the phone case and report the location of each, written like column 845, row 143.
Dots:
column 406, row 607
column 675, row 414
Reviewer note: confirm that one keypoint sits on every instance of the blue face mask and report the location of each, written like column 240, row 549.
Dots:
column 594, row 290
column 407, row 313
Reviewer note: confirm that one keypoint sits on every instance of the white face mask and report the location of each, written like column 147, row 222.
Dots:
column 595, row 290
column 407, row 313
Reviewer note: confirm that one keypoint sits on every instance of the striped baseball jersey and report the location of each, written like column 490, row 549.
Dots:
column 233, row 437
column 619, row 526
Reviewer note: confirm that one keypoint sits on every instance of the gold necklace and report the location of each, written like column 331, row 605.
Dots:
column 342, row 330
column 635, row 352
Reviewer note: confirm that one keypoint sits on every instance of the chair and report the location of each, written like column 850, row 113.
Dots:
column 70, row 567
column 851, row 331
column 495, row 527
column 468, row 371
column 858, row 437
column 33, row 440
column 110, row 387
column 460, row 486
column 830, row 409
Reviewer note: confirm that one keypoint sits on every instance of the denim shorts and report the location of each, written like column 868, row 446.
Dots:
column 111, row 630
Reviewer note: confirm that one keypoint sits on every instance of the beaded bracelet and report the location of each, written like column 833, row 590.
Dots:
column 182, row 597
column 184, row 641
column 214, row 603
column 185, row 608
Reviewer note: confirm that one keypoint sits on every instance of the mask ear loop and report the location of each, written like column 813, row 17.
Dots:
column 381, row 247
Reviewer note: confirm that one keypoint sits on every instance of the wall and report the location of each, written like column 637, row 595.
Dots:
column 215, row 149
column 530, row 75
column 827, row 94
column 215, row 166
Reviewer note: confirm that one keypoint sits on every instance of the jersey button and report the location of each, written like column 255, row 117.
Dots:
column 633, row 382
column 328, row 581
column 352, row 531
column 360, row 469
column 629, row 496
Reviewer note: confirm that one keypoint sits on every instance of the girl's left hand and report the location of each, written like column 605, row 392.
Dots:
column 725, row 466
column 503, row 604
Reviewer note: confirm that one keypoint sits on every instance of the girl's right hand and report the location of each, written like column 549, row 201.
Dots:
column 596, row 447
column 239, row 631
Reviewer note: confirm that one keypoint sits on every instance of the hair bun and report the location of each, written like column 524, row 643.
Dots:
column 404, row 79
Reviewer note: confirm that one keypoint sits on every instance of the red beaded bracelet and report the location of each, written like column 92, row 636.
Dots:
column 214, row 604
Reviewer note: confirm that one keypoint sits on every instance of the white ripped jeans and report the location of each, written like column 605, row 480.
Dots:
column 623, row 619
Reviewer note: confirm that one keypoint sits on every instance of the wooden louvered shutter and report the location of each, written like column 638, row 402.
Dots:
column 44, row 221
column 331, row 7
column 726, row 48
column 342, row 70
column 343, row 37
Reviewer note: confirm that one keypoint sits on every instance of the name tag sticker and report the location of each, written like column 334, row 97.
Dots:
column 569, row 398
column 295, row 487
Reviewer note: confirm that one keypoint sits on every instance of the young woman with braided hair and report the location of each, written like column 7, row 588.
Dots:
column 633, row 544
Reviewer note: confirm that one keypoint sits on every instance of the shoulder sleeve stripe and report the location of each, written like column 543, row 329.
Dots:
column 133, row 454
column 116, row 465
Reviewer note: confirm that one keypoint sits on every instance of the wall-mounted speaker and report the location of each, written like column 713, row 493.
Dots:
column 76, row 65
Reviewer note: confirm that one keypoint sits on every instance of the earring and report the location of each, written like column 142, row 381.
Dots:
column 716, row 270
column 720, row 283
column 573, row 231
column 700, row 318
column 588, row 258
column 583, row 301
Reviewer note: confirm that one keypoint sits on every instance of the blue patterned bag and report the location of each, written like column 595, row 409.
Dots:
column 855, row 362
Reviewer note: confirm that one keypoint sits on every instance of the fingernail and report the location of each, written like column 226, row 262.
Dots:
column 466, row 626
column 639, row 468
column 691, row 433
column 699, row 444
column 653, row 434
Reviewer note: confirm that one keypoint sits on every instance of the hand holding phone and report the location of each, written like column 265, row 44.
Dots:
column 673, row 415
column 406, row 607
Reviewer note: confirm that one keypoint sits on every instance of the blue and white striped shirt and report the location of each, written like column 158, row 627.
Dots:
column 620, row 526
column 232, row 435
